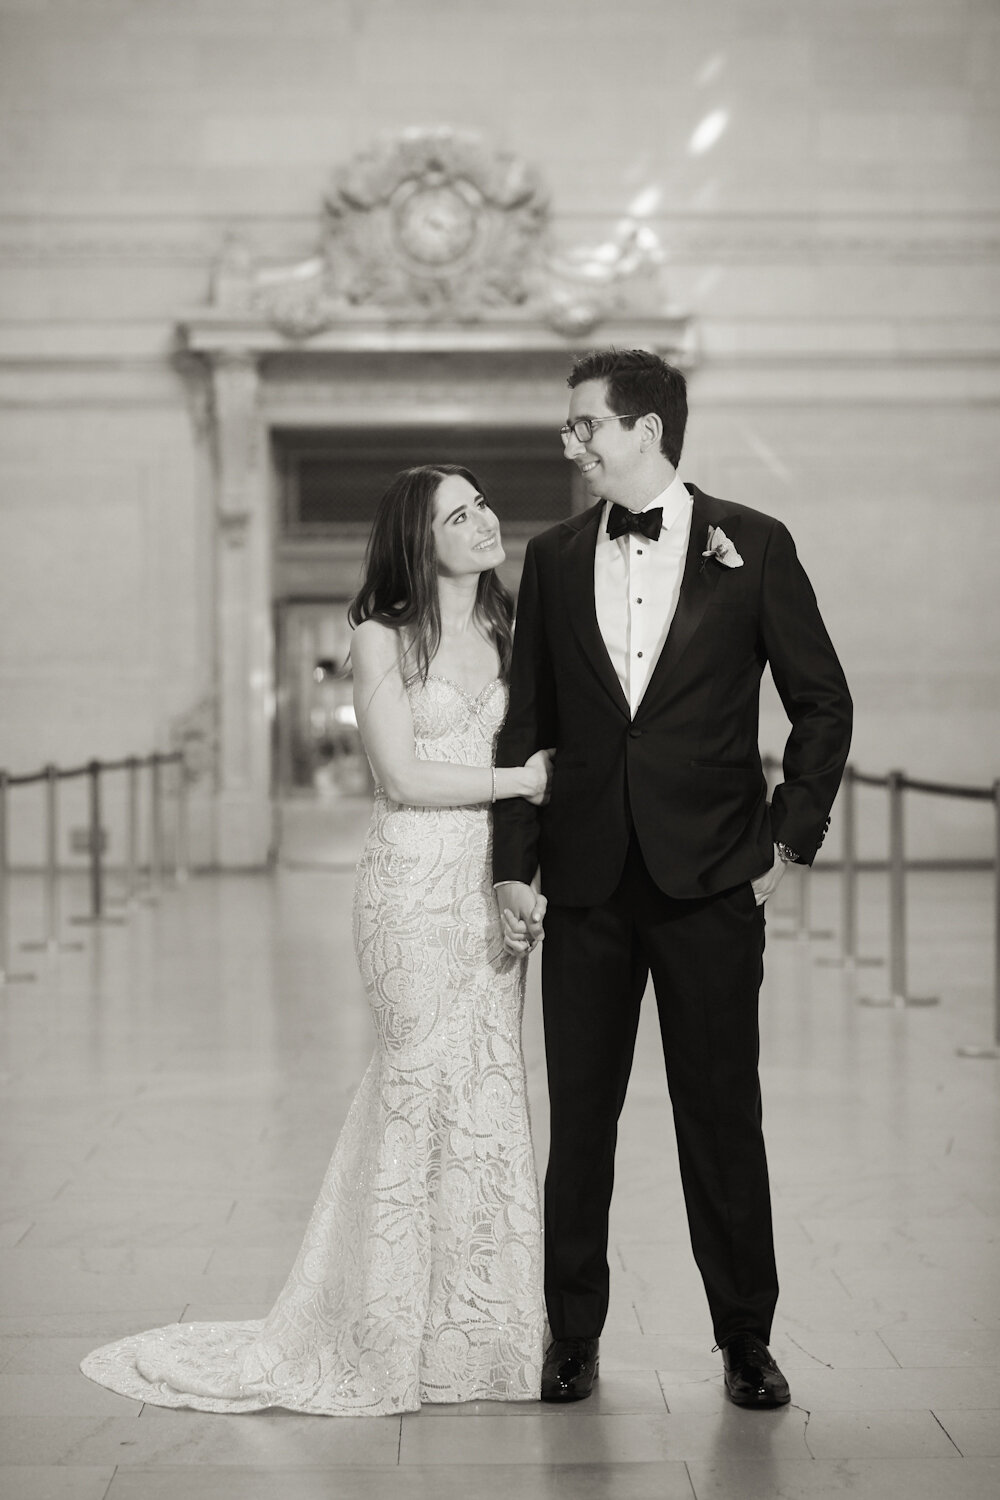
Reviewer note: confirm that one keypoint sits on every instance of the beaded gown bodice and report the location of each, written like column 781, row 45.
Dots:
column 419, row 1277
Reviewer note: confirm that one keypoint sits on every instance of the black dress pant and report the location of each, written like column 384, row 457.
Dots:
column 706, row 961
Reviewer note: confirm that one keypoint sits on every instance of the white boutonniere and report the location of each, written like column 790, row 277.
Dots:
column 721, row 549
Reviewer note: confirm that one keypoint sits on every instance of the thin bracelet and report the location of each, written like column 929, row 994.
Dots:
column 493, row 773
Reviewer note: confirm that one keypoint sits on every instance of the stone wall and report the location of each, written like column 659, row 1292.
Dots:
column 825, row 181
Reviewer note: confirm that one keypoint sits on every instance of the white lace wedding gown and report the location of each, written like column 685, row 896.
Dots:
column 419, row 1278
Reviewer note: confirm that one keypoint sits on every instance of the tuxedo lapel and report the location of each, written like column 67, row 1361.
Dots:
column 697, row 586
column 581, row 605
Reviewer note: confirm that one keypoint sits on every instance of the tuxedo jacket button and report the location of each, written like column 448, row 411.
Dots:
column 634, row 734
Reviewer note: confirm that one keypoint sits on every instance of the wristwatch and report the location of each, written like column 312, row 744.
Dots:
column 787, row 856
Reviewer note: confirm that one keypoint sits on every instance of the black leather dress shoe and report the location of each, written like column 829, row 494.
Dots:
column 752, row 1377
column 570, row 1369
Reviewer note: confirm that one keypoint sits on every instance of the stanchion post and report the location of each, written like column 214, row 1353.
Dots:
column 181, row 823
column 94, row 841
column 897, row 904
column 51, row 856
column 156, row 822
column 127, row 899
column 132, row 830
column 97, row 916
column 150, row 892
column 994, row 1051
column 96, row 872
column 897, row 887
column 849, row 880
column 50, row 942
column 848, row 805
column 6, row 977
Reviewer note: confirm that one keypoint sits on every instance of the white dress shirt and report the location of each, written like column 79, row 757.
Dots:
column 636, row 587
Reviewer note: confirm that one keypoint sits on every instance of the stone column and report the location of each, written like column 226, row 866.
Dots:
column 243, row 636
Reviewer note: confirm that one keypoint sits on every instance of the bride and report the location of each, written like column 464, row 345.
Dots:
column 419, row 1277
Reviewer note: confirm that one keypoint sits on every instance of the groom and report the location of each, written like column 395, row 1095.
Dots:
column 643, row 627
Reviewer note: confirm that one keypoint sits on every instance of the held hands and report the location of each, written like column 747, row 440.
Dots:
column 522, row 911
column 765, row 885
column 540, row 765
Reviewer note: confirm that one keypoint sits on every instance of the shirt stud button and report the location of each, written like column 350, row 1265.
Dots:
column 639, row 655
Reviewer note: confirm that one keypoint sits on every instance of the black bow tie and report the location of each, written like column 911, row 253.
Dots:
column 647, row 523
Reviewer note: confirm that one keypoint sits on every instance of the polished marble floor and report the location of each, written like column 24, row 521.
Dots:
column 171, row 1095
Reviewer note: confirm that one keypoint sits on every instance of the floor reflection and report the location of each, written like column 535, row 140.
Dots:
column 172, row 1094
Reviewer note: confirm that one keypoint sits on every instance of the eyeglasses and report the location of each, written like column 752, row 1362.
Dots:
column 583, row 428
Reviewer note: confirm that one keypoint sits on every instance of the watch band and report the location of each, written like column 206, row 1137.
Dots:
column 786, row 855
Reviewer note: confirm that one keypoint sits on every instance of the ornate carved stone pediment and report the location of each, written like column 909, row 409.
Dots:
column 434, row 225
column 434, row 220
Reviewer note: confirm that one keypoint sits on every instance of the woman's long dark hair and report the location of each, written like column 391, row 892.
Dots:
column 400, row 581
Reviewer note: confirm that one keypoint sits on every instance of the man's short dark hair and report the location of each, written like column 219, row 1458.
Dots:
column 638, row 382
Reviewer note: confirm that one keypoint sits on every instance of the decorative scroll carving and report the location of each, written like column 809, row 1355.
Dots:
column 434, row 225
column 584, row 286
column 195, row 380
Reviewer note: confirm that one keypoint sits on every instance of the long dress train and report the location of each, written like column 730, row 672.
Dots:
column 419, row 1277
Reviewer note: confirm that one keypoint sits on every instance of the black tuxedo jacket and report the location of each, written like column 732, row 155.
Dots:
column 686, row 771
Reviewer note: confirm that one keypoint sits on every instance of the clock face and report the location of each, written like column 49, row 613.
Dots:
column 435, row 225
